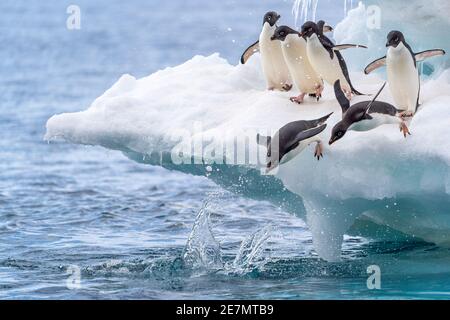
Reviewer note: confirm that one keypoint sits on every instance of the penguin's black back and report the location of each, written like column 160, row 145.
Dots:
column 357, row 112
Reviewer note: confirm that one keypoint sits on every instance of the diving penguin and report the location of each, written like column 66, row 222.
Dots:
column 303, row 74
column 326, row 59
column 402, row 73
column 365, row 116
column 291, row 140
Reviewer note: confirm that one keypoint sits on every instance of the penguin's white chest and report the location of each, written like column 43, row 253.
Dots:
column 300, row 68
column 301, row 146
column 328, row 69
column 274, row 66
column 403, row 78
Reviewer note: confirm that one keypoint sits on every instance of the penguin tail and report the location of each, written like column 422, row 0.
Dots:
column 324, row 119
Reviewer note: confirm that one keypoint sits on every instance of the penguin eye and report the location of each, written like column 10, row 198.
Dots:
column 310, row 30
column 396, row 39
column 340, row 134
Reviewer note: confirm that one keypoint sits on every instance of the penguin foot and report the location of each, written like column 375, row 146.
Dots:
column 319, row 90
column 319, row 151
column 287, row 87
column 404, row 129
column 406, row 114
column 318, row 97
column 315, row 96
column 298, row 99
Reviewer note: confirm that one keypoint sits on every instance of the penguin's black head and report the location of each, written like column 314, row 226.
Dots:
column 271, row 18
column 394, row 38
column 282, row 32
column 338, row 132
column 309, row 28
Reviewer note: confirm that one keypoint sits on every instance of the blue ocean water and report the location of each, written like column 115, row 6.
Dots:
column 87, row 223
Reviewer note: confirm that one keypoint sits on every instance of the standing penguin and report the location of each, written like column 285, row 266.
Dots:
column 326, row 58
column 274, row 67
column 303, row 74
column 365, row 116
column 292, row 139
column 403, row 75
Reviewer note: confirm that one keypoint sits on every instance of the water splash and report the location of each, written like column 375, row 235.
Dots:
column 250, row 255
column 202, row 249
column 348, row 5
column 304, row 10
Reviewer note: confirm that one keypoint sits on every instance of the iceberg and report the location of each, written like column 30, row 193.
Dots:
column 375, row 184
column 202, row 118
column 425, row 25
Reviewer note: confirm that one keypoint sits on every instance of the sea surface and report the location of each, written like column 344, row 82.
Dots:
column 87, row 223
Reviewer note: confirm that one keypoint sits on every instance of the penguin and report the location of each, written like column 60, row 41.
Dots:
column 292, row 139
column 402, row 72
column 326, row 59
column 303, row 74
column 365, row 116
column 274, row 67
column 254, row 48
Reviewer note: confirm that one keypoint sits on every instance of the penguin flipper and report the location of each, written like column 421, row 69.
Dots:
column 249, row 52
column 341, row 97
column 348, row 46
column 327, row 44
column 365, row 114
column 263, row 140
column 375, row 65
column 303, row 136
column 421, row 56
column 344, row 69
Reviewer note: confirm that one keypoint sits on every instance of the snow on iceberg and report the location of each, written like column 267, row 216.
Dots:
column 368, row 182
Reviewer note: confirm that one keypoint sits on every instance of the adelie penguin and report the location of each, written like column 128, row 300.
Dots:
column 402, row 73
column 303, row 74
column 365, row 116
column 291, row 140
column 326, row 59
column 274, row 67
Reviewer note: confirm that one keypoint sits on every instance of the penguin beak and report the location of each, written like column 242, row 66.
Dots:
column 388, row 44
column 332, row 140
